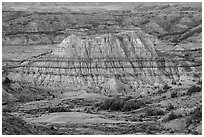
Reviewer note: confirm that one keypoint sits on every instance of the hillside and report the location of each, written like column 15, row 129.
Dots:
column 73, row 68
column 170, row 22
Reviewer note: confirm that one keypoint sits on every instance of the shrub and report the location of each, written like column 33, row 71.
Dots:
column 150, row 112
column 136, row 119
column 160, row 112
column 172, row 116
column 7, row 110
column 88, row 111
column 120, row 104
column 170, row 107
column 179, row 84
column 52, row 128
column 199, row 82
column 98, row 104
column 6, row 81
column 166, row 87
column 24, row 99
column 196, row 75
column 58, row 109
column 174, row 95
column 106, row 104
column 114, row 104
column 196, row 117
column 10, row 107
column 117, row 104
column 132, row 104
column 164, row 97
column 173, row 82
column 160, row 91
column 193, row 89
column 128, row 98
column 71, row 106
column 194, row 132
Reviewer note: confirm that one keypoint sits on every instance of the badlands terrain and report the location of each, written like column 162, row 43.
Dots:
column 101, row 68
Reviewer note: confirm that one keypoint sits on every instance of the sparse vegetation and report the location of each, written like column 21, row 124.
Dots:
column 154, row 112
column 199, row 82
column 58, row 109
column 6, row 81
column 174, row 95
column 26, row 94
column 166, row 87
column 161, row 91
column 195, row 117
column 172, row 116
column 120, row 104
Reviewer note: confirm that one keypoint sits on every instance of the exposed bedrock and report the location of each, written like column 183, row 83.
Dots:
column 122, row 61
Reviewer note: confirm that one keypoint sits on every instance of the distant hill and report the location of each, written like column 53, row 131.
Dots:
column 173, row 23
column 105, row 5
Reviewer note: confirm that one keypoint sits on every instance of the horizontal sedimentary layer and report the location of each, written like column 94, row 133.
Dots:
column 62, row 59
column 106, row 66
column 92, row 81
column 27, row 72
column 77, row 81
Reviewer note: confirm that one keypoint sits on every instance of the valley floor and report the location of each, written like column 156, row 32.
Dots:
column 84, row 113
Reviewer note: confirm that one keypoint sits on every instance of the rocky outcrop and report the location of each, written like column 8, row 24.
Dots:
column 128, row 59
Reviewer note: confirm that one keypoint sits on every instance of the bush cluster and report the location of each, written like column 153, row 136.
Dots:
column 120, row 104
column 166, row 87
column 6, row 81
column 196, row 116
column 132, row 105
column 58, row 109
column 154, row 112
column 172, row 116
column 193, row 89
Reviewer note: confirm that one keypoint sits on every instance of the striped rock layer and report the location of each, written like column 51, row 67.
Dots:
column 121, row 60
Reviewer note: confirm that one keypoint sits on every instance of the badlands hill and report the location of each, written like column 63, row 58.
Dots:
column 94, row 61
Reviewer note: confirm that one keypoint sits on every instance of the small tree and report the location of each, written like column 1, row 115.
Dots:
column 174, row 95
